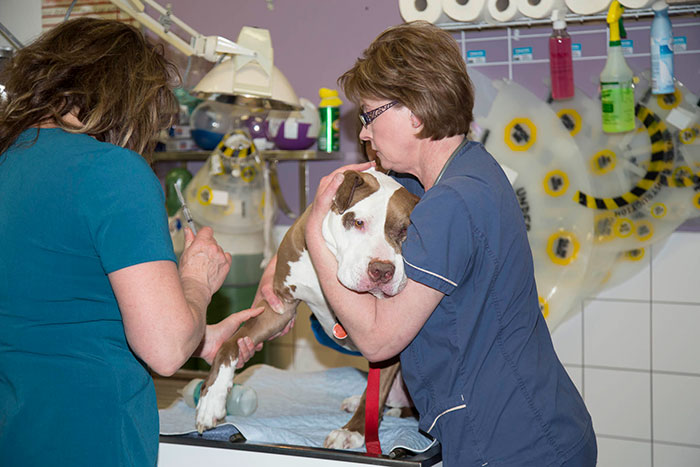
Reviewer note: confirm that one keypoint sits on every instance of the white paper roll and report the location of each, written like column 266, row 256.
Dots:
column 501, row 11
column 465, row 11
column 636, row 3
column 539, row 9
column 587, row 7
column 430, row 10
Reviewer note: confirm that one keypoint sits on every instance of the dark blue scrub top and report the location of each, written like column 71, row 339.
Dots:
column 482, row 371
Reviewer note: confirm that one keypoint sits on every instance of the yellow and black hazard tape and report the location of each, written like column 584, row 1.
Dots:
column 240, row 152
column 660, row 165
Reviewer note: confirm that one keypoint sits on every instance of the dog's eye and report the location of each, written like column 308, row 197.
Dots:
column 359, row 223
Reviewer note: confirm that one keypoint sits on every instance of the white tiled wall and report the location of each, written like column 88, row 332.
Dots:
column 634, row 353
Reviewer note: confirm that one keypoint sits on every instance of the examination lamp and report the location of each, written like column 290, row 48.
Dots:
column 244, row 73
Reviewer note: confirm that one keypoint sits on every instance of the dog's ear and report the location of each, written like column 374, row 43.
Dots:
column 346, row 191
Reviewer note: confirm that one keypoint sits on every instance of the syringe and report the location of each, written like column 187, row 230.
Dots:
column 185, row 209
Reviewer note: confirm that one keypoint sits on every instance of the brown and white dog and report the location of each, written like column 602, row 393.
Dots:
column 364, row 229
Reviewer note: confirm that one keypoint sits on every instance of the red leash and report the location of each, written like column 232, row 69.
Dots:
column 372, row 412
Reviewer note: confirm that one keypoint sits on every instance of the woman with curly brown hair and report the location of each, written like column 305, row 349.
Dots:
column 90, row 293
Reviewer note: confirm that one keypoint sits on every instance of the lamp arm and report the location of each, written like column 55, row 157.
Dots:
column 209, row 47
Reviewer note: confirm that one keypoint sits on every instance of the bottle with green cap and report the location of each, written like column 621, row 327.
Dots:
column 329, row 110
column 616, row 79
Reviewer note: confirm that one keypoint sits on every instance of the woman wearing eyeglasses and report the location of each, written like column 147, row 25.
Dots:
column 476, row 353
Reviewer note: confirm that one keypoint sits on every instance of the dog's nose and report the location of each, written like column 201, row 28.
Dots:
column 380, row 271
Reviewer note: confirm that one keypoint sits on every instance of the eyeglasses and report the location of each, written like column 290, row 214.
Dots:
column 369, row 116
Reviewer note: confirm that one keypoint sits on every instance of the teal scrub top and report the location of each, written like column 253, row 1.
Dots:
column 72, row 210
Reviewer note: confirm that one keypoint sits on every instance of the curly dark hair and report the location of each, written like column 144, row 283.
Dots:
column 118, row 84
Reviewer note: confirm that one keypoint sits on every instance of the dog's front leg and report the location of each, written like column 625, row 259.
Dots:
column 212, row 402
column 352, row 435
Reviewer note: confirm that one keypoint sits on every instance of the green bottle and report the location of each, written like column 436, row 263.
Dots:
column 329, row 112
column 616, row 79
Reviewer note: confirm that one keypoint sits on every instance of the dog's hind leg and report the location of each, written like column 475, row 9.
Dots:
column 212, row 402
column 352, row 435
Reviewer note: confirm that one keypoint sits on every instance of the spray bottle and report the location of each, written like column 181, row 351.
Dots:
column 561, row 65
column 329, row 111
column 661, row 50
column 616, row 85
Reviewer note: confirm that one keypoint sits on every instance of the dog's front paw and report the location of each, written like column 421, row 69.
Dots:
column 210, row 409
column 351, row 403
column 212, row 404
column 343, row 439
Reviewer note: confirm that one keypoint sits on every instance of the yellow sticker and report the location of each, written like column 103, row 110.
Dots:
column 230, row 208
column 520, row 134
column 562, row 248
column 603, row 227
column 205, row 195
column 696, row 200
column 261, row 207
column 688, row 135
column 635, row 255
column 571, row 120
column 658, row 210
column 544, row 307
column 248, row 173
column 669, row 101
column 603, row 162
column 555, row 183
column 644, row 230
column 623, row 227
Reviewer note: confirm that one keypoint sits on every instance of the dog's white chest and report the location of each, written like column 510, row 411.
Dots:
column 303, row 284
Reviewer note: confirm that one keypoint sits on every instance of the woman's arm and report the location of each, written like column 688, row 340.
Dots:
column 379, row 328
column 163, row 309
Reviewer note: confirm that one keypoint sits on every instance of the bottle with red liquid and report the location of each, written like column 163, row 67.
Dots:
column 561, row 65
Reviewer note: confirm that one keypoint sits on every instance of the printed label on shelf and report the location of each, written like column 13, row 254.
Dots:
column 680, row 43
column 219, row 197
column 576, row 50
column 680, row 118
column 627, row 46
column 522, row 54
column 476, row 56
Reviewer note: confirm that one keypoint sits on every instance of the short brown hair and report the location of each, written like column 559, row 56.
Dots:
column 120, row 84
column 420, row 66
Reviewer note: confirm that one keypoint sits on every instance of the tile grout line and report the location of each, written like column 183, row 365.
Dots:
column 643, row 440
column 651, row 352
column 633, row 370
column 583, row 351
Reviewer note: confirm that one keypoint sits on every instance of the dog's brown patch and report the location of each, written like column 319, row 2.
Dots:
column 398, row 211
column 355, row 187
column 349, row 220
column 291, row 248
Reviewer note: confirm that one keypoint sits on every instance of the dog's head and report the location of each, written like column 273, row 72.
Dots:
column 365, row 229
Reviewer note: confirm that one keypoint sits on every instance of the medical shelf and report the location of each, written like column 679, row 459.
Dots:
column 571, row 18
column 273, row 158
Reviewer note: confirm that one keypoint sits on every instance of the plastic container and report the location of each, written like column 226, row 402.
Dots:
column 561, row 65
column 297, row 131
column 661, row 50
column 329, row 113
column 616, row 79
column 228, row 195
column 241, row 400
